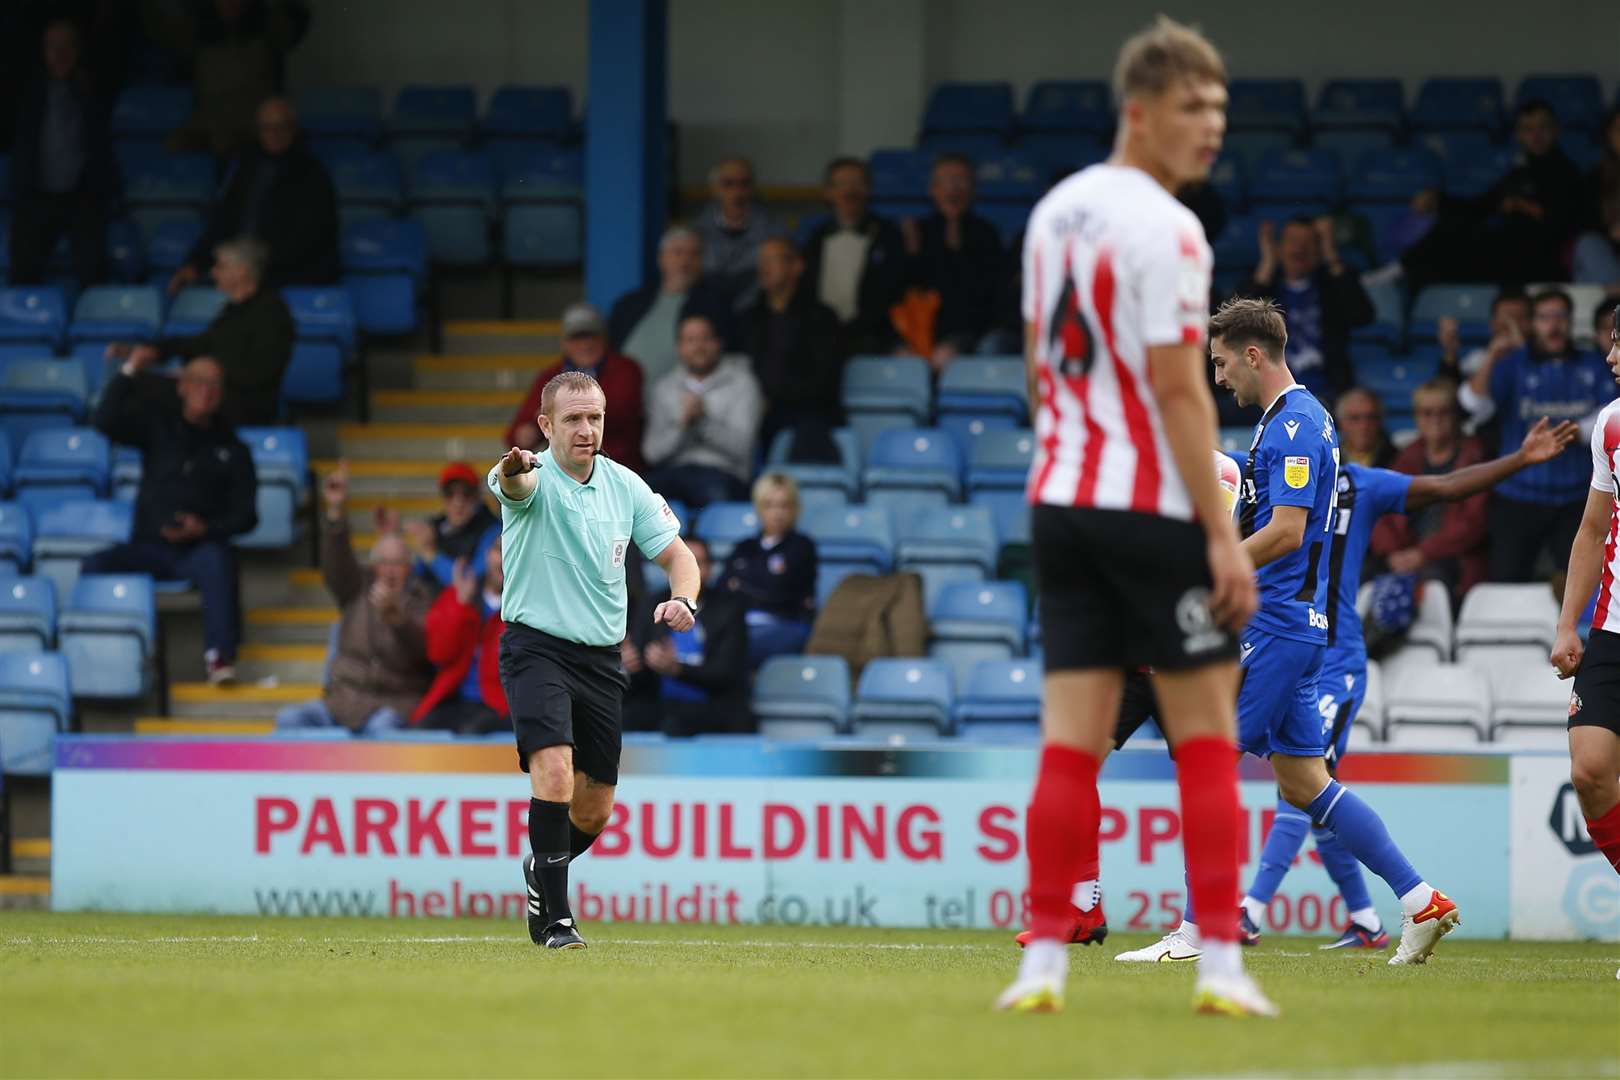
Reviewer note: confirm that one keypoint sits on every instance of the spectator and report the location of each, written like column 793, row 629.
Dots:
column 278, row 193
column 794, row 342
column 62, row 171
column 198, row 489
column 703, row 421
column 856, row 259
column 251, row 337
column 584, row 348
column 1597, row 250
column 236, row 49
column 1443, row 542
column 1363, row 438
column 380, row 666
column 642, row 323
column 957, row 254
column 732, row 228
column 775, row 573
column 1510, row 324
column 1539, row 509
column 702, row 672
column 463, row 643
column 1301, row 270
column 463, row 532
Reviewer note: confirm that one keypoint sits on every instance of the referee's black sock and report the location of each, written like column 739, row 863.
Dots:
column 548, row 836
column 579, row 841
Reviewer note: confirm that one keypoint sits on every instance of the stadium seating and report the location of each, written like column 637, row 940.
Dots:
column 1458, row 104
column 117, row 313
column 34, row 705
column 281, row 463
column 981, row 108
column 914, row 459
column 385, row 264
column 451, row 195
column 1266, row 104
column 722, row 525
column 161, row 187
column 1470, row 305
column 1494, row 614
column 27, row 615
column 1077, row 106
column 798, row 697
column 108, row 630
column 881, row 392
column 1296, row 178
column 340, row 112
column 983, row 385
column 1433, row 625
column 530, row 112
column 844, row 478
column 170, row 242
column 903, row 698
column 61, row 463
column 149, row 113
column 435, row 114
column 192, row 310
column 999, row 460
column 34, row 314
column 1359, row 103
column 542, row 223
column 1370, row 717
column 1471, row 171
column 1393, row 175
column 970, row 622
column 1000, row 698
column 65, row 532
column 1576, row 99
column 369, row 183
column 1527, row 696
column 858, row 537
column 16, row 530
column 1442, row 696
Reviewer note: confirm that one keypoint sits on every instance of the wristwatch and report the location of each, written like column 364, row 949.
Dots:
column 689, row 605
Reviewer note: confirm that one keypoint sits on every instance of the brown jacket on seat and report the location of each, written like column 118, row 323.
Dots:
column 868, row 617
column 380, row 663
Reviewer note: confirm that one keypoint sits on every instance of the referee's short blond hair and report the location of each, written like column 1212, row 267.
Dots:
column 580, row 382
column 1165, row 53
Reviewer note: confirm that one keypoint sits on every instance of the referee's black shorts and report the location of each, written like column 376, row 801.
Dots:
column 562, row 693
column 1595, row 699
column 1126, row 590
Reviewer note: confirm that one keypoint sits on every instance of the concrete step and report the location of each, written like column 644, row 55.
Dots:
column 25, row 892
column 387, row 476
column 496, row 371
column 501, row 335
column 445, row 406
column 198, row 725
column 290, row 625
column 362, row 507
column 284, row 662
column 422, row 442
column 199, row 699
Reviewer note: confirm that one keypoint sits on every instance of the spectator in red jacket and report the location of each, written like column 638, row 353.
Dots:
column 1445, row 542
column 584, row 348
column 463, row 644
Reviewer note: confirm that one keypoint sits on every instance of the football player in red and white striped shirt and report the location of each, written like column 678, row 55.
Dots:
column 1137, row 558
column 1594, row 706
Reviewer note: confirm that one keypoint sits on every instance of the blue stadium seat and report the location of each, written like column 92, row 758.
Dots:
column 1454, row 146
column 1393, row 175
column 33, row 313
column 1388, row 230
column 975, row 107
column 802, row 697
column 168, row 180
column 149, row 112
column 967, row 427
column 385, row 246
column 43, row 385
column 34, row 705
column 1576, row 99
column 723, row 524
column 444, row 111
column 888, row 384
column 1296, row 176
column 1055, row 152
column 117, row 313
column 1471, row 173
column 281, row 464
column 365, row 178
column 126, row 473
column 1359, row 103
column 543, row 219
column 1250, row 146
column 314, row 374
column 1229, row 178
column 1008, row 218
column 384, row 304
column 170, row 242
column 1388, row 315
column 109, row 633
column 1237, row 247
column 985, row 384
column 856, row 536
column 16, row 528
column 451, row 196
column 58, row 464
column 65, row 532
column 1266, row 104
column 27, row 614
column 999, row 460
column 829, row 575
column 970, row 622
column 1063, row 106
column 904, row 698
column 530, row 112
column 844, row 477
column 972, row 145
column 192, row 310
column 322, row 314
column 819, row 498
column 899, row 175
column 1458, row 104
column 1392, row 376
column 1000, row 695
column 346, row 112
column 124, row 244
column 1470, row 305
column 903, row 504
column 1581, row 148
column 919, row 458
column 1011, row 177
column 960, row 534
column 1009, row 513
column 1351, row 143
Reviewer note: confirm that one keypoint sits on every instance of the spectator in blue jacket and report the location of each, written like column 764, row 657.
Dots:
column 775, row 573
column 1539, row 510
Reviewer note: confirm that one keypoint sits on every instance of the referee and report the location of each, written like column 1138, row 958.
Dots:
column 568, row 516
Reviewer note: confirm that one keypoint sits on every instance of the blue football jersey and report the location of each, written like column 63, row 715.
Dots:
column 1365, row 495
column 1294, row 461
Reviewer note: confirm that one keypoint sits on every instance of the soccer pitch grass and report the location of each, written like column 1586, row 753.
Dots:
column 193, row 996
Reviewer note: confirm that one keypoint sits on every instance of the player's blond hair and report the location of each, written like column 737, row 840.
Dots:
column 1244, row 320
column 580, row 382
column 1166, row 53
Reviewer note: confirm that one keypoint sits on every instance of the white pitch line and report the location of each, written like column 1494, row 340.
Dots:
column 1448, row 1070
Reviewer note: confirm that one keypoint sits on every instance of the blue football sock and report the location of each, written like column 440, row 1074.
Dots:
column 1343, row 868
column 1358, row 827
column 1288, row 831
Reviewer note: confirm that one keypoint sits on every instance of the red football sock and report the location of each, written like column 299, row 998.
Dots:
column 1606, row 835
column 1061, row 833
column 1206, row 772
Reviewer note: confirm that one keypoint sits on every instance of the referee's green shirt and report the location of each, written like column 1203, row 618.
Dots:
column 563, row 548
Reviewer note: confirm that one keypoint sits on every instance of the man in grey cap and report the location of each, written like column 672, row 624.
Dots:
column 584, row 348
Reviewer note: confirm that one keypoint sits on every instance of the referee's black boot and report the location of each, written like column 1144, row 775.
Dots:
column 537, row 903
column 562, row 935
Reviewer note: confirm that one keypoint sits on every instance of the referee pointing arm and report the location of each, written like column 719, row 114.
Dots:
column 568, row 517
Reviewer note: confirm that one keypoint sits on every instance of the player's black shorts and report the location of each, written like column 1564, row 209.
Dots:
column 1595, row 701
column 1137, row 706
column 562, row 693
column 1126, row 590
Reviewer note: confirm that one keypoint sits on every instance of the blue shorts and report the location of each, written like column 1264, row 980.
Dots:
column 1277, row 706
column 1342, row 689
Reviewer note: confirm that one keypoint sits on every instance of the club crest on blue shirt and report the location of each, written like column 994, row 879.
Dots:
column 776, row 564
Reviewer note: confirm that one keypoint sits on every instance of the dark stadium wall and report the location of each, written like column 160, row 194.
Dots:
column 794, row 81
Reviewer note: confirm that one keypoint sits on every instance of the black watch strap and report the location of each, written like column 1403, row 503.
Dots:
column 689, row 605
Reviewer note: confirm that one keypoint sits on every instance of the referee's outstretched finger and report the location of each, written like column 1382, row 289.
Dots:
column 515, row 461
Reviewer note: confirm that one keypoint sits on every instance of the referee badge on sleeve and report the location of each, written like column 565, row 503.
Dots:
column 1296, row 471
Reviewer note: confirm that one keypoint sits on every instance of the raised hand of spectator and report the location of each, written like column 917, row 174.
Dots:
column 182, row 277
column 420, row 536
column 335, row 490
column 1268, row 251
column 1543, row 442
column 941, row 357
column 691, row 409
column 465, row 580
column 1323, row 227
column 660, row 657
column 184, row 529
column 138, row 358
column 1406, row 561
column 384, row 520
column 1449, row 335
column 386, row 598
